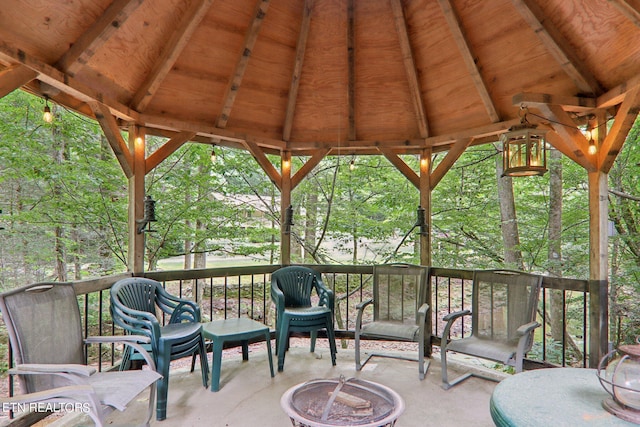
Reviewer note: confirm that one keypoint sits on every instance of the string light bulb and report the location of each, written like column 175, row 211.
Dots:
column 352, row 165
column 214, row 157
column 46, row 114
column 593, row 149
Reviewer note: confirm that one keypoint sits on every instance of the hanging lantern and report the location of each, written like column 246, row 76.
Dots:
column 524, row 152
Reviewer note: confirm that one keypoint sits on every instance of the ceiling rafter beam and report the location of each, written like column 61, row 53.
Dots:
column 450, row 158
column 410, row 68
column 568, row 139
column 402, row 166
column 629, row 8
column 96, row 35
column 455, row 27
column 111, row 131
column 569, row 103
column 166, row 150
column 315, row 159
column 616, row 95
column 15, row 77
column 351, row 71
column 215, row 134
column 172, row 50
column 558, row 47
column 241, row 65
column 264, row 163
column 65, row 83
column 624, row 120
column 301, row 47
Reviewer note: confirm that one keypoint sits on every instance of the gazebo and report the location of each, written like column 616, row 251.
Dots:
column 312, row 78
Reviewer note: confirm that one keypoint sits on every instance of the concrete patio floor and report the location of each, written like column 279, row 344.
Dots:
column 250, row 397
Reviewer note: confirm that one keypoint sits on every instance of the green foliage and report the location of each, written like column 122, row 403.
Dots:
column 64, row 202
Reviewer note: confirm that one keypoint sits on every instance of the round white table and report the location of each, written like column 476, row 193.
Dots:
column 552, row 397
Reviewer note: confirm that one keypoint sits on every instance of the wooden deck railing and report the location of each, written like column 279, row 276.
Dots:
column 244, row 292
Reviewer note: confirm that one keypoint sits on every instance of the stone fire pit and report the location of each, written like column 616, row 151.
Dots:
column 340, row 402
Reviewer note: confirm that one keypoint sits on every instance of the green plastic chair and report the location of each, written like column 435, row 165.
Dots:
column 134, row 303
column 291, row 291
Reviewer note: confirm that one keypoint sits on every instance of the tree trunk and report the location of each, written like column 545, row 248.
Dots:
column 511, row 239
column 555, row 242
column 59, row 231
column 509, row 222
column 310, row 225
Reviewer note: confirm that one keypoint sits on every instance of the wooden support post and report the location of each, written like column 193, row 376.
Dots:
column 135, row 262
column 285, row 202
column 599, row 268
column 425, row 203
column 425, row 238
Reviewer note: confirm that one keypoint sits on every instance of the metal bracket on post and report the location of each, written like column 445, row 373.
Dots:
column 149, row 216
column 422, row 221
column 288, row 220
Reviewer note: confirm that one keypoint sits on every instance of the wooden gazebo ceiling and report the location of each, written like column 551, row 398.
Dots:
column 329, row 76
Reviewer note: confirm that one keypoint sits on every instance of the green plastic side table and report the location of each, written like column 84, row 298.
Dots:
column 241, row 329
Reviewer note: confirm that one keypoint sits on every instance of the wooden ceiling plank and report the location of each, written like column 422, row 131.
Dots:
column 351, row 70
column 213, row 132
column 14, row 77
column 95, row 36
column 241, row 65
column 629, row 8
column 451, row 157
column 568, row 103
column 264, row 163
column 616, row 95
column 315, row 159
column 625, row 118
column 112, row 133
column 64, row 82
column 410, row 68
column 400, row 164
column 571, row 141
column 455, row 26
column 558, row 47
column 166, row 150
column 179, row 39
column 301, row 47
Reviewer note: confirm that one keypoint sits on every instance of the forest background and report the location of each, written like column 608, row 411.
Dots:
column 63, row 201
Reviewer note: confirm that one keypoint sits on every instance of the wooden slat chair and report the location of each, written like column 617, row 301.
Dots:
column 45, row 330
column 135, row 303
column 503, row 320
column 400, row 310
column 291, row 291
